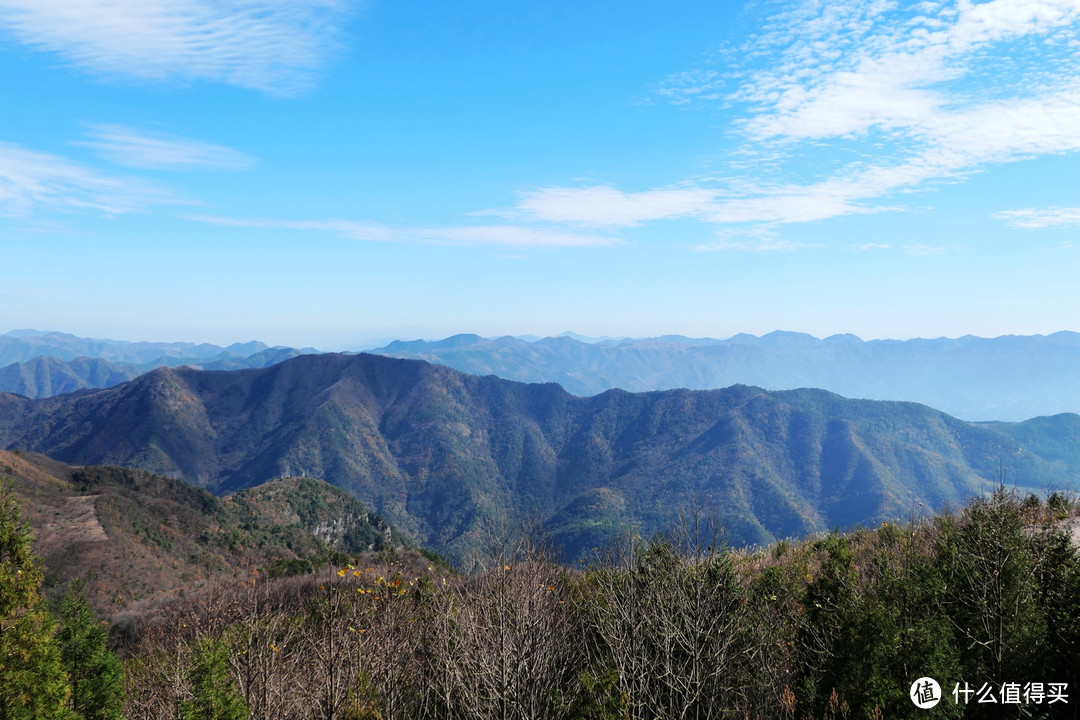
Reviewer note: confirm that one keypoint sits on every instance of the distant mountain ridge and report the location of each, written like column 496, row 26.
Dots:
column 1005, row 378
column 43, row 364
column 1008, row 378
column 23, row 345
column 440, row 453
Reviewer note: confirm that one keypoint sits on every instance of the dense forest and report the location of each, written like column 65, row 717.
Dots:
column 985, row 600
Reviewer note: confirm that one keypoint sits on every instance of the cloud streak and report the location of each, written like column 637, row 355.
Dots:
column 1038, row 218
column 29, row 179
column 159, row 151
column 605, row 206
column 272, row 45
column 502, row 235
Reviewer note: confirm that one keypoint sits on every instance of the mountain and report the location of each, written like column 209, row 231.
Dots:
column 45, row 376
column 1008, row 378
column 50, row 365
column 1005, row 378
column 230, row 361
column 441, row 454
column 135, row 537
column 23, row 345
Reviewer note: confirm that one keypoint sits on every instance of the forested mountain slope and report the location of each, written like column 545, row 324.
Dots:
column 136, row 538
column 440, row 453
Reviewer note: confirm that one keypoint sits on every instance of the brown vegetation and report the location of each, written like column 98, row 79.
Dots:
column 834, row 627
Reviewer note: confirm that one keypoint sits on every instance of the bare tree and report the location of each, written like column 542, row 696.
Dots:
column 670, row 618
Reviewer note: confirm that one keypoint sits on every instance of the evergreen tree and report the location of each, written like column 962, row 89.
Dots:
column 214, row 694
column 33, row 685
column 94, row 672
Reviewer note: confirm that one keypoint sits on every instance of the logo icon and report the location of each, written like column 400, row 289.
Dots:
column 925, row 693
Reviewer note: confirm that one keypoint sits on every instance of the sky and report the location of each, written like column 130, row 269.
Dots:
column 331, row 173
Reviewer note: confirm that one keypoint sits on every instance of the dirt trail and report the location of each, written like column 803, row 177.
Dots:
column 74, row 521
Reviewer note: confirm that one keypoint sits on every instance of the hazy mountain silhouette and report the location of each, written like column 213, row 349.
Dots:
column 1004, row 378
column 47, row 364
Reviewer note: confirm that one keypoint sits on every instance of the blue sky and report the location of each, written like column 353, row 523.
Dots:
column 326, row 172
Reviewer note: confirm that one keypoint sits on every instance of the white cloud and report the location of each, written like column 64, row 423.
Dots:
column 506, row 236
column 29, row 178
column 159, row 151
column 791, row 204
column 272, row 45
column 986, row 22
column 1036, row 218
column 855, row 66
column 607, row 207
column 918, row 93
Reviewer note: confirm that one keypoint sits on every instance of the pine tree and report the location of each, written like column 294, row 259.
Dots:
column 94, row 672
column 214, row 694
column 33, row 684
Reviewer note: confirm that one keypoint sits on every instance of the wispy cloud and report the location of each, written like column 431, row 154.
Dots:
column 920, row 249
column 517, row 236
column 750, row 238
column 886, row 98
column 504, row 235
column 273, row 45
column 1036, row 218
column 751, row 245
column 29, row 179
column 846, row 68
column 693, row 86
column 160, row 151
column 368, row 232
column 605, row 206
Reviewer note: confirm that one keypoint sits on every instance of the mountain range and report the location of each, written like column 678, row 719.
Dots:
column 444, row 455
column 1004, row 378
column 46, row 364
column 23, row 345
column 1008, row 378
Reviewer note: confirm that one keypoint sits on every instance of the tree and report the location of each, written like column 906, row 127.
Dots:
column 889, row 627
column 669, row 619
column 1011, row 596
column 94, row 672
column 993, row 574
column 32, row 679
column 214, row 694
